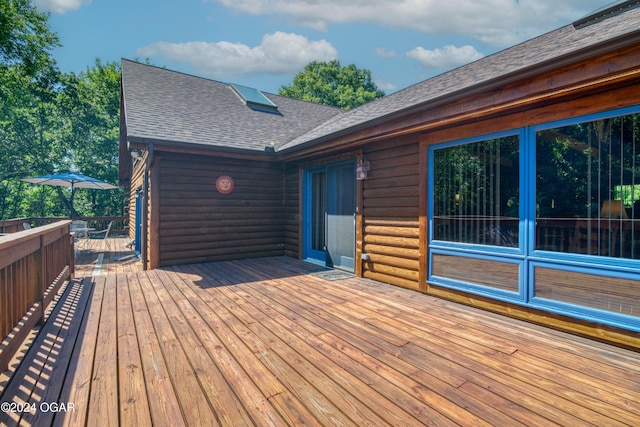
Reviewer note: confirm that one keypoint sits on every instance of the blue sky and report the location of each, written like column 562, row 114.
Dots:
column 265, row 43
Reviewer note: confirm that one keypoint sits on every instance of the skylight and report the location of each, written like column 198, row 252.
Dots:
column 611, row 9
column 254, row 99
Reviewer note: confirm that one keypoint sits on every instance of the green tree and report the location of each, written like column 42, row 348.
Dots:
column 70, row 123
column 28, row 85
column 25, row 37
column 329, row 83
column 90, row 106
column 52, row 122
column 30, row 138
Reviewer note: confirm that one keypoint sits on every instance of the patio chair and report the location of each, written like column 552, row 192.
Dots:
column 102, row 235
column 79, row 227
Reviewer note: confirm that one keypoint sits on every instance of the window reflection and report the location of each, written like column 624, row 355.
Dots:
column 587, row 188
column 476, row 192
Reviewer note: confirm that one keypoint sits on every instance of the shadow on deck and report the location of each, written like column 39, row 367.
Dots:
column 103, row 257
column 272, row 342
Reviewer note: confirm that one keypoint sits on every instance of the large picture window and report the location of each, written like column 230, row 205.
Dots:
column 476, row 195
column 546, row 216
column 588, row 188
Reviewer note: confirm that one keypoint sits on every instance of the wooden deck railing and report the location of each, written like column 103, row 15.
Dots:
column 33, row 265
column 119, row 226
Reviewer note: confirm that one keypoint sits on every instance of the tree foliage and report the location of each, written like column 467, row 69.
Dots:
column 25, row 37
column 330, row 83
column 52, row 122
column 90, row 108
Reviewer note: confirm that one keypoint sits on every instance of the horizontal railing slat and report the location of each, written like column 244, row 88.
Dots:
column 33, row 266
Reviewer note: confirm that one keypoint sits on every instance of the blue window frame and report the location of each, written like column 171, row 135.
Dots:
column 587, row 188
column 545, row 216
column 476, row 212
column 139, row 221
column 476, row 189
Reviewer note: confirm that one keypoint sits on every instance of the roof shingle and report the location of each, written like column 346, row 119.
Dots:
column 164, row 105
column 546, row 48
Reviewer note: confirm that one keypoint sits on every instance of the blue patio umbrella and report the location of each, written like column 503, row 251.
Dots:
column 73, row 180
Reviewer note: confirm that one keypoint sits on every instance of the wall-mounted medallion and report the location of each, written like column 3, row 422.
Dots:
column 224, row 184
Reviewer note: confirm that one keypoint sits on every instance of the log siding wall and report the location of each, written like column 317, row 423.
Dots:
column 292, row 210
column 137, row 181
column 199, row 224
column 391, row 229
column 263, row 215
column 389, row 209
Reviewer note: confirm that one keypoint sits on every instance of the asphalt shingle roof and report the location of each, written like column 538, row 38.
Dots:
column 543, row 49
column 164, row 105
column 171, row 106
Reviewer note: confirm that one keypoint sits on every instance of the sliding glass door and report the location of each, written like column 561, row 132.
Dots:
column 329, row 215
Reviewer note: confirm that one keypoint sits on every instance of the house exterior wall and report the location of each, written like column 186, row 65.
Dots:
column 136, row 184
column 537, row 284
column 199, row 224
column 292, row 209
column 390, row 212
column 263, row 216
column 395, row 232
column 387, row 224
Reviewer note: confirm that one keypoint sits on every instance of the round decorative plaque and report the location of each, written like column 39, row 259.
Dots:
column 224, row 184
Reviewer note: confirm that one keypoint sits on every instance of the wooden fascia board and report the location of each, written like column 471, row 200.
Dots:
column 595, row 102
column 607, row 63
column 458, row 113
column 198, row 149
column 124, row 159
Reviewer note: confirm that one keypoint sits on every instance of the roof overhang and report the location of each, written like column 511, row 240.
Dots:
column 159, row 145
column 615, row 44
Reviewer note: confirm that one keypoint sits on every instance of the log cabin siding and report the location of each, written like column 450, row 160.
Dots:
column 137, row 181
column 137, row 177
column 558, row 76
column 391, row 230
column 292, row 210
column 590, row 100
column 199, row 224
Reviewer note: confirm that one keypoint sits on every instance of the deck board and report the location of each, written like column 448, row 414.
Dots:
column 115, row 257
column 268, row 342
column 196, row 408
column 132, row 391
column 103, row 402
column 164, row 406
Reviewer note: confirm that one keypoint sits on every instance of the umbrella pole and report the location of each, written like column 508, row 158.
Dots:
column 73, row 190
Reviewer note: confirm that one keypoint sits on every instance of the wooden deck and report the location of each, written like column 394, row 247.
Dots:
column 103, row 257
column 274, row 342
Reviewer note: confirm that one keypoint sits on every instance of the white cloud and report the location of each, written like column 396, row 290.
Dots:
column 61, row 6
column 382, row 52
column 500, row 23
column 384, row 85
column 279, row 53
column 444, row 58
